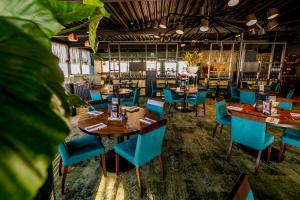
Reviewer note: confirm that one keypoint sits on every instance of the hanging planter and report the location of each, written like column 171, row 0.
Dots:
column 192, row 69
column 194, row 59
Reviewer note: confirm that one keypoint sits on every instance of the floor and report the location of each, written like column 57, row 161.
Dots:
column 195, row 167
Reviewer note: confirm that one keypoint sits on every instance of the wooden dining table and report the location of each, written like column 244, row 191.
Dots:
column 286, row 120
column 257, row 91
column 118, row 92
column 119, row 129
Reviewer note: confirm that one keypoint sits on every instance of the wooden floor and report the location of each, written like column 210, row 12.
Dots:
column 195, row 167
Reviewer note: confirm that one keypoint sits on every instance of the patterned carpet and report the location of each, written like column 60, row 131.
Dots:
column 195, row 167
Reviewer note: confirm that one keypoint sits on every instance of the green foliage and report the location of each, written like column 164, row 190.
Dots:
column 34, row 106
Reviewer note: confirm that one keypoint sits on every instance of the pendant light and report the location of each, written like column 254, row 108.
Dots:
column 252, row 31
column 204, row 25
column 163, row 23
column 72, row 37
column 232, row 3
column 251, row 20
column 179, row 29
column 156, row 36
column 87, row 43
column 272, row 24
column 272, row 13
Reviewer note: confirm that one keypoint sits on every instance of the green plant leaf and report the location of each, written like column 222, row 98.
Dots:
column 67, row 13
column 33, row 102
column 31, row 10
column 75, row 101
column 96, row 3
column 93, row 25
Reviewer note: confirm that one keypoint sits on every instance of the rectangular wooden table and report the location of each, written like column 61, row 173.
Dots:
column 286, row 120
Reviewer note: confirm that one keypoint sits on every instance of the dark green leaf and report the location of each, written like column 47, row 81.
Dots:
column 67, row 12
column 34, row 110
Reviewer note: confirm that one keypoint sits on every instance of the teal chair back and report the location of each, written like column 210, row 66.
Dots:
column 290, row 94
column 200, row 97
column 152, row 86
column 168, row 96
column 248, row 130
column 273, row 86
column 178, row 82
column 285, row 105
column 221, row 109
column 277, row 87
column 247, row 97
column 98, row 104
column 233, row 90
column 150, row 142
column 245, row 85
column 157, row 107
column 95, row 95
column 136, row 96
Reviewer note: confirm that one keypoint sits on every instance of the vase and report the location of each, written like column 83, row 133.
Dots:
column 192, row 69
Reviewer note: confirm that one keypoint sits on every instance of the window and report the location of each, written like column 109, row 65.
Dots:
column 182, row 65
column 61, row 51
column 75, row 61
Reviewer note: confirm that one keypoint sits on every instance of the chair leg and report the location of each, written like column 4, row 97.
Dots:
column 221, row 128
column 138, row 174
column 103, row 160
column 170, row 106
column 196, row 109
column 59, row 166
column 229, row 151
column 204, row 109
column 215, row 129
column 117, row 158
column 161, row 167
column 269, row 153
column 281, row 151
column 257, row 162
column 63, row 180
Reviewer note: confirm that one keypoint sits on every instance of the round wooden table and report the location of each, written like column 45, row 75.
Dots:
column 118, row 129
column 185, row 92
column 118, row 92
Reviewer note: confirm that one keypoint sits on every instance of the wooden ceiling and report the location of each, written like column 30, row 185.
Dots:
column 137, row 20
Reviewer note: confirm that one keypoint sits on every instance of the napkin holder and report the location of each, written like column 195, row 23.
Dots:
column 114, row 108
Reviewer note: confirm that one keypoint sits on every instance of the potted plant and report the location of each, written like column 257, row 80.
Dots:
column 193, row 58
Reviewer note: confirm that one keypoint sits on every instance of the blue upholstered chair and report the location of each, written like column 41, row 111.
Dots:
column 277, row 88
column 132, row 100
column 241, row 190
column 96, row 105
column 196, row 100
column 77, row 150
column 247, row 97
column 170, row 99
column 95, row 95
column 222, row 117
column 154, row 89
column 250, row 131
column 245, row 85
column 143, row 148
column 290, row 137
column 156, row 107
column 234, row 92
column 290, row 94
column 286, row 105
